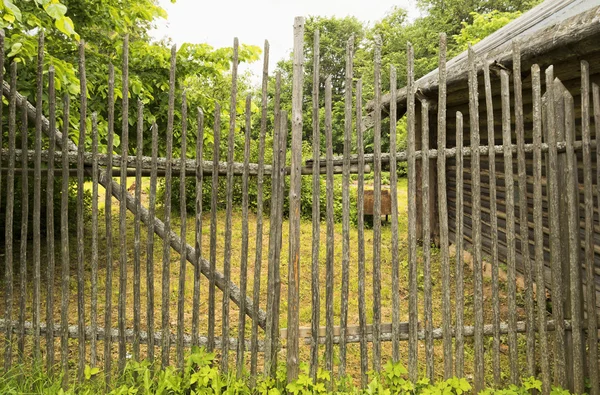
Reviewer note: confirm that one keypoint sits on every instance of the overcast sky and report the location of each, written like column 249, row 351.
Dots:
column 218, row 22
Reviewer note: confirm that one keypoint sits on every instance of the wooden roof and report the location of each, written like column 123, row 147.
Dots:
column 555, row 32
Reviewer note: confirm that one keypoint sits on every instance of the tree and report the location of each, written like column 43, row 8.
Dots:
column 102, row 24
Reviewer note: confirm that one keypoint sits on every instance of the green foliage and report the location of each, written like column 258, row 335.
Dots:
column 200, row 375
column 482, row 26
column 18, row 204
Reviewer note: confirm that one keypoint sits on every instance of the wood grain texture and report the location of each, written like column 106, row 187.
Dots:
column 493, row 224
column 476, row 201
column 94, row 247
column 590, row 288
column 137, row 231
column 183, row 235
column 316, row 211
column 523, row 205
column 122, row 309
column 213, row 228
column 362, row 308
column 10, row 205
column 23, row 281
column 293, row 360
column 50, row 242
column 229, row 208
column 150, row 264
column 244, row 253
column 329, row 255
column 574, row 246
column 259, row 210
column 412, row 226
column 346, row 204
column 443, row 210
column 64, row 248
column 377, row 211
column 394, row 206
column 107, row 217
column 459, row 364
column 555, row 242
column 166, row 258
column 198, row 225
column 538, row 226
column 37, row 199
column 427, row 283
column 510, row 228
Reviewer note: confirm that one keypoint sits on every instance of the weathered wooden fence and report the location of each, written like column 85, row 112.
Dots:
column 116, row 299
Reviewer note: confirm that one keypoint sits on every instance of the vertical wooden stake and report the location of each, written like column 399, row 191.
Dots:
column 294, row 261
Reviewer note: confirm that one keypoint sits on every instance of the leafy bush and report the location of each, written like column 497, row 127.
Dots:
column 201, row 375
column 18, row 204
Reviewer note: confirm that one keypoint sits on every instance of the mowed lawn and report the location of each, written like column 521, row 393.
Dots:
column 306, row 308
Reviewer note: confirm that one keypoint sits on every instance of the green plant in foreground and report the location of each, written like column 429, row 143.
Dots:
column 200, row 375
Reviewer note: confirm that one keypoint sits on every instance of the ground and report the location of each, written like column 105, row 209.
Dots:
column 305, row 283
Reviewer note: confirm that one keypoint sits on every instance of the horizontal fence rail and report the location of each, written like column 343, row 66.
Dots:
column 113, row 252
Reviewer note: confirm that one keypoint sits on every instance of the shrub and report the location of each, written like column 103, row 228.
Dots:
column 201, row 375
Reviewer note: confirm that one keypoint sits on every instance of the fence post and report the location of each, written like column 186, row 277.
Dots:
column 294, row 262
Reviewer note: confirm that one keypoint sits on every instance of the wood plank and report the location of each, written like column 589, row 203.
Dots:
column 362, row 309
column 50, row 254
column 10, row 204
column 316, row 210
column 183, row 234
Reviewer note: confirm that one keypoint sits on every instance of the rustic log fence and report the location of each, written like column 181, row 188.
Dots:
column 541, row 207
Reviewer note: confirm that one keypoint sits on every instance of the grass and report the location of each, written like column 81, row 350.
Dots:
column 353, row 357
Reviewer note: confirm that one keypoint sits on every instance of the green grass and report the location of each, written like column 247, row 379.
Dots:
column 306, row 308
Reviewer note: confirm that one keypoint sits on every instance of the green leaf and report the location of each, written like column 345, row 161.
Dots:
column 56, row 10
column 15, row 49
column 65, row 25
column 10, row 18
column 13, row 9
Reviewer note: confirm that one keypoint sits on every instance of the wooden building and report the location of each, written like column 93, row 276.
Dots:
column 558, row 33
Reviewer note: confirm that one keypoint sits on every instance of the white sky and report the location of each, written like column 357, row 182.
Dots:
column 217, row 22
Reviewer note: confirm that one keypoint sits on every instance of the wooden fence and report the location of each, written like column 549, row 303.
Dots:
column 109, row 272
